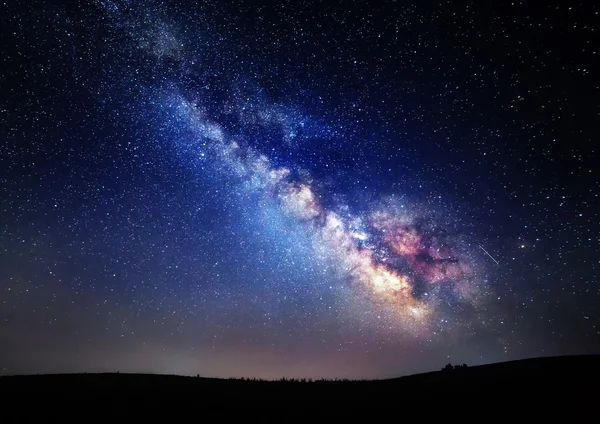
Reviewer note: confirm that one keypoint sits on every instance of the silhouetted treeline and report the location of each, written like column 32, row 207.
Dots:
column 297, row 380
column 451, row 367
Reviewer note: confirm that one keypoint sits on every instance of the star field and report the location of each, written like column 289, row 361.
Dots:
column 298, row 189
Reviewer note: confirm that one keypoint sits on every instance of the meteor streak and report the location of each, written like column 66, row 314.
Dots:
column 486, row 252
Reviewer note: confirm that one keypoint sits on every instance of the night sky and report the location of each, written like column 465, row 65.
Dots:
column 301, row 189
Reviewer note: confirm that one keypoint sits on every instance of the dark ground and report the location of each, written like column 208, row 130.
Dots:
column 564, row 379
column 532, row 390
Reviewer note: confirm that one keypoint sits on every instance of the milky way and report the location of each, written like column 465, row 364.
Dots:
column 396, row 256
column 237, row 189
column 384, row 252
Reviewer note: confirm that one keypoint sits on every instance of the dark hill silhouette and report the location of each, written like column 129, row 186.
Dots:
column 570, row 376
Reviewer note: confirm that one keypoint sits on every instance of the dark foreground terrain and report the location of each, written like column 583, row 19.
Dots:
column 565, row 379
